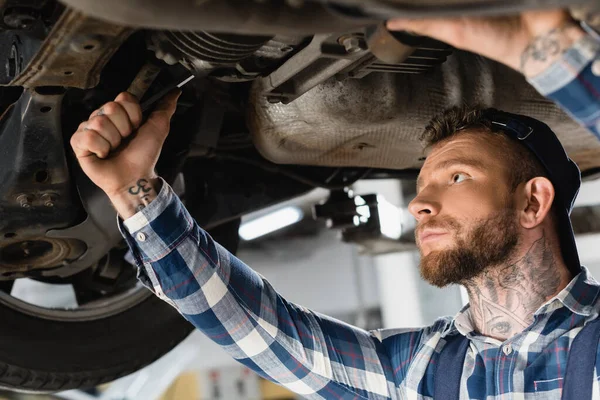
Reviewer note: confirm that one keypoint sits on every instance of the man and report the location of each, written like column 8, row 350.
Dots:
column 492, row 207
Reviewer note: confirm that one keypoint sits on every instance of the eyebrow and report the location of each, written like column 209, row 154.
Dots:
column 464, row 162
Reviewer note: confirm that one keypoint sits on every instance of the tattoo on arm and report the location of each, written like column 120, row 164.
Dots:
column 547, row 48
column 541, row 49
column 142, row 186
column 143, row 190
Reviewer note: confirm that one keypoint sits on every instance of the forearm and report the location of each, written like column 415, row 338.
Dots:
column 572, row 80
column 137, row 196
column 546, row 48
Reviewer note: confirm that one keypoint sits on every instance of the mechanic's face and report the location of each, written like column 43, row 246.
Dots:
column 466, row 219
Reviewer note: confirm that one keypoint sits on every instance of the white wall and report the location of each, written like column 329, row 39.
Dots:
column 316, row 272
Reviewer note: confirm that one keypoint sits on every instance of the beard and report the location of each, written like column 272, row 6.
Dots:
column 490, row 242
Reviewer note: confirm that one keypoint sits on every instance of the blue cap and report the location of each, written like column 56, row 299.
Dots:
column 562, row 171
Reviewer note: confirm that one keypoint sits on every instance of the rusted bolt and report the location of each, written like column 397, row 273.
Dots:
column 24, row 200
column 49, row 199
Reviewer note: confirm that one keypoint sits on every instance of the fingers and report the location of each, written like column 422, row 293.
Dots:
column 86, row 142
column 117, row 115
column 105, row 127
column 131, row 104
column 124, row 112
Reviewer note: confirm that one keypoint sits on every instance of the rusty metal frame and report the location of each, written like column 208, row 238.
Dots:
column 74, row 53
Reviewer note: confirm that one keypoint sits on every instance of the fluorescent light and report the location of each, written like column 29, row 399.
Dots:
column 270, row 223
column 390, row 218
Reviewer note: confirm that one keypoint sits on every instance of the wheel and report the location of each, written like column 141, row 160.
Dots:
column 47, row 350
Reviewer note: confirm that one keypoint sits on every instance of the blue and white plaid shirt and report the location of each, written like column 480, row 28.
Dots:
column 319, row 357
column 573, row 82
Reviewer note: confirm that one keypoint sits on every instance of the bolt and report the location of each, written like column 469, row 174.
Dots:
column 48, row 199
column 24, row 200
column 352, row 44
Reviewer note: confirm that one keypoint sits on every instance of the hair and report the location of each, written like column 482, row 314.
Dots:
column 458, row 120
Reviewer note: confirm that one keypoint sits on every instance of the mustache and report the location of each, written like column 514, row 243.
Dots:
column 449, row 224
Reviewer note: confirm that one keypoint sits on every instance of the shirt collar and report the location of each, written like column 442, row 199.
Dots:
column 579, row 296
column 462, row 324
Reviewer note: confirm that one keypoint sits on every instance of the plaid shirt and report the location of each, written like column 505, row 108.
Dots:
column 319, row 357
column 573, row 82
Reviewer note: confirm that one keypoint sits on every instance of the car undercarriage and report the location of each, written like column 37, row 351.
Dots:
column 286, row 96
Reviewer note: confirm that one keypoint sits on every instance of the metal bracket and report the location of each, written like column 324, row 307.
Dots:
column 74, row 52
column 35, row 185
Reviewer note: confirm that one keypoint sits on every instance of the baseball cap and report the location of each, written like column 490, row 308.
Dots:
column 562, row 171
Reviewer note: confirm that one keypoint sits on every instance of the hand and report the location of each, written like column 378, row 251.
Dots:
column 120, row 167
column 529, row 42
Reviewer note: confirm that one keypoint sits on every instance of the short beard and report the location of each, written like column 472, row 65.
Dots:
column 491, row 242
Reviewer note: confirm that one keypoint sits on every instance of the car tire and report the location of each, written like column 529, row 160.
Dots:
column 42, row 355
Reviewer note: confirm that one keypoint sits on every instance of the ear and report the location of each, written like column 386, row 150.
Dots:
column 538, row 197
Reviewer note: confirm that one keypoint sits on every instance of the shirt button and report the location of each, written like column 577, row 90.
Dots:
column 507, row 349
column 141, row 236
column 596, row 68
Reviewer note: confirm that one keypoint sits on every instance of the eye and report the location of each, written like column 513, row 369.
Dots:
column 459, row 177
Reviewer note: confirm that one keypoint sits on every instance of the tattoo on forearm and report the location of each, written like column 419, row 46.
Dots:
column 142, row 186
column 143, row 191
column 503, row 300
column 545, row 49
column 542, row 48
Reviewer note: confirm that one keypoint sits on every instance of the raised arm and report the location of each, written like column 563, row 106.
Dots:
column 559, row 58
column 313, row 355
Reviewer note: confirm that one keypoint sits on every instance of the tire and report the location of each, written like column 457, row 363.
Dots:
column 42, row 355
column 46, row 356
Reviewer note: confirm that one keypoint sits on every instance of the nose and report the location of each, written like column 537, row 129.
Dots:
column 424, row 206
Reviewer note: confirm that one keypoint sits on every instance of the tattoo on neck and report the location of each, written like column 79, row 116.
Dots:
column 504, row 298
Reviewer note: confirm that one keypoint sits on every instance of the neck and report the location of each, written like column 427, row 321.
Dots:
column 504, row 298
